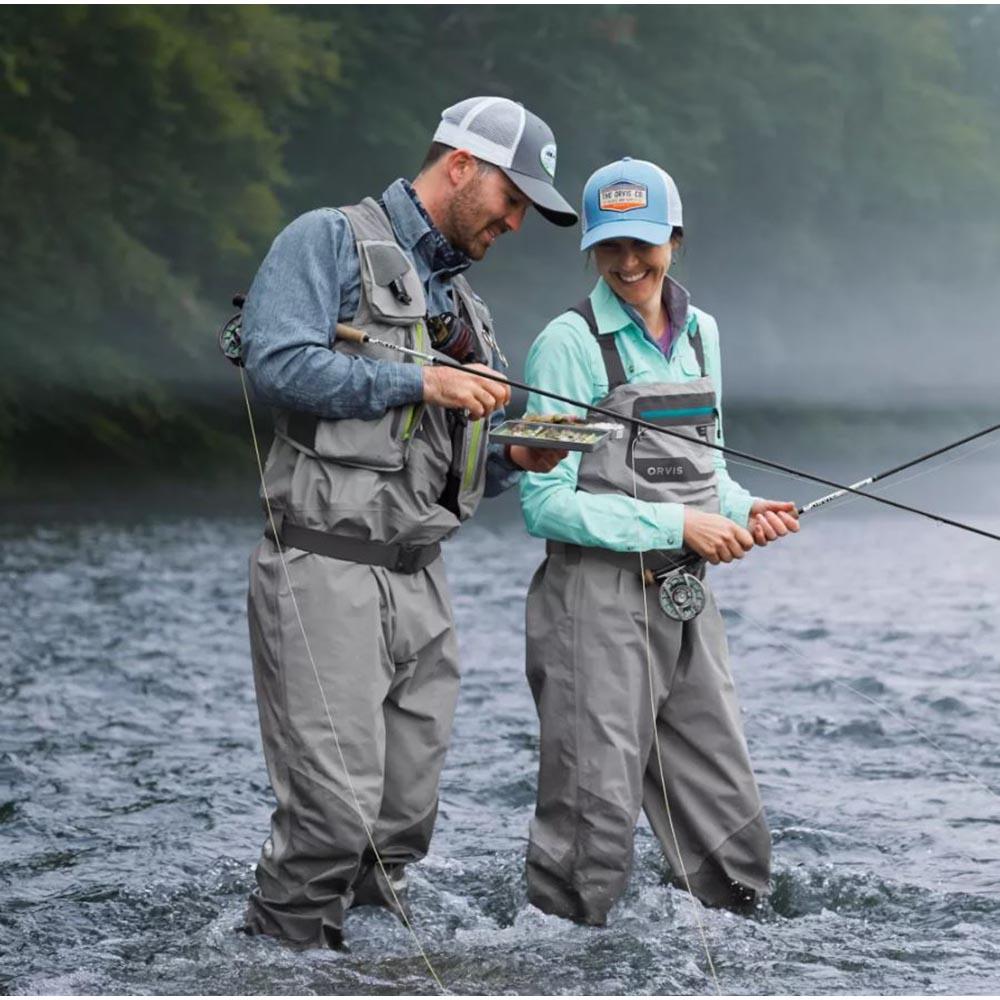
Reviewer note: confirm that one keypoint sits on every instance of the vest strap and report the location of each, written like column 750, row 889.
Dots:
column 302, row 428
column 398, row 558
column 606, row 341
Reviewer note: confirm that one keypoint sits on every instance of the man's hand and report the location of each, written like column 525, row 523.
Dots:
column 715, row 537
column 771, row 519
column 462, row 390
column 535, row 459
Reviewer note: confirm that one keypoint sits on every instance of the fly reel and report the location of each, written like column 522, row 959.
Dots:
column 682, row 596
column 230, row 341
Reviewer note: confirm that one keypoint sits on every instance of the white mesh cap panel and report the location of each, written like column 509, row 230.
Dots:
column 675, row 211
column 500, row 131
column 497, row 120
column 489, row 127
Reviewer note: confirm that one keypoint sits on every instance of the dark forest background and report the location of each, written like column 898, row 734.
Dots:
column 840, row 168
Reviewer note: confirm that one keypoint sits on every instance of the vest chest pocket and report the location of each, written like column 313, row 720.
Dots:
column 381, row 444
column 394, row 292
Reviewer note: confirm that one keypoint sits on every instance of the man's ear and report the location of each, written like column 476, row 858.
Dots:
column 459, row 165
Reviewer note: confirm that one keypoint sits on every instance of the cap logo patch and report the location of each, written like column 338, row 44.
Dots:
column 548, row 157
column 622, row 196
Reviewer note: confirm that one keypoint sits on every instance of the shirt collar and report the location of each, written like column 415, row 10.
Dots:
column 418, row 234
column 613, row 315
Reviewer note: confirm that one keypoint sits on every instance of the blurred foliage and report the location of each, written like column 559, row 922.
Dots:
column 149, row 154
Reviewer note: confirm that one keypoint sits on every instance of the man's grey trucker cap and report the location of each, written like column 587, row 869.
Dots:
column 504, row 133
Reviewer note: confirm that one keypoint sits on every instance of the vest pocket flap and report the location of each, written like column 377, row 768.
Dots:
column 392, row 285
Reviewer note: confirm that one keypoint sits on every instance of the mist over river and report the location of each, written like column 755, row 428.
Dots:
column 134, row 800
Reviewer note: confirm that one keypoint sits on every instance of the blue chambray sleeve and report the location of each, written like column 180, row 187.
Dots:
column 289, row 322
column 501, row 474
column 734, row 501
column 566, row 360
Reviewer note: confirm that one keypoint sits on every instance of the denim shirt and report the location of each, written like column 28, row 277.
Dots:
column 309, row 281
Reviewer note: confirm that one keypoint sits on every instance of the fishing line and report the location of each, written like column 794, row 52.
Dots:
column 356, row 336
column 962, row 769
column 840, row 497
column 844, row 501
column 322, row 693
column 659, row 756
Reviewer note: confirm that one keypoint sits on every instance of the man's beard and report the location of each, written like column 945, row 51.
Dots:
column 464, row 221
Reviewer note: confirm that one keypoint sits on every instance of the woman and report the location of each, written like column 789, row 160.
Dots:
column 637, row 346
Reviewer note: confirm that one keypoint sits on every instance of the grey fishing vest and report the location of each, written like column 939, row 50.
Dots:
column 667, row 469
column 414, row 474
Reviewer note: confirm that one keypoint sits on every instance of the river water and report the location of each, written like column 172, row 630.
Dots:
column 133, row 797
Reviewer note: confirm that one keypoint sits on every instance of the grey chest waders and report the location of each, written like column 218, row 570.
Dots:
column 658, row 467
column 366, row 651
column 630, row 703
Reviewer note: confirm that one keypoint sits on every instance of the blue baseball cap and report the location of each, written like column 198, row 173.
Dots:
column 633, row 199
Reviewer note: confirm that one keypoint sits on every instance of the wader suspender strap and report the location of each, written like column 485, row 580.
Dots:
column 609, row 350
column 301, row 428
column 694, row 335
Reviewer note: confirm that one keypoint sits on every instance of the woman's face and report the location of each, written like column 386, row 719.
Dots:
column 634, row 270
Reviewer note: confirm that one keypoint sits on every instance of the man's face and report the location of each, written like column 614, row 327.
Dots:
column 482, row 209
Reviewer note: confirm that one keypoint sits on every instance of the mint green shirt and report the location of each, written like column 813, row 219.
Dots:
column 566, row 359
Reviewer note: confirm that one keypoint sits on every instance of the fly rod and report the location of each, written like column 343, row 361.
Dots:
column 354, row 335
column 692, row 558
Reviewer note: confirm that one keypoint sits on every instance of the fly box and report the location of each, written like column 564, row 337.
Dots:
column 553, row 432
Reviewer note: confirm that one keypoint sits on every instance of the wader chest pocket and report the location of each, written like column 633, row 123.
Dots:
column 677, row 457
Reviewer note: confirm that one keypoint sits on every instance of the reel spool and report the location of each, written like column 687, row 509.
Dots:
column 230, row 341
column 682, row 596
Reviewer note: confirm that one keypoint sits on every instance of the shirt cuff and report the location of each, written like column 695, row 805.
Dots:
column 404, row 383
column 738, row 510
column 670, row 526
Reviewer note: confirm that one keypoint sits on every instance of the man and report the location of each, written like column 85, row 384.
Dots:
column 376, row 460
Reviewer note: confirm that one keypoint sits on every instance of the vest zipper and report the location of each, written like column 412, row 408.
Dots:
column 471, row 461
column 415, row 410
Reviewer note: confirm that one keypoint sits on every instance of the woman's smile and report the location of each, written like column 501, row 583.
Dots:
column 635, row 270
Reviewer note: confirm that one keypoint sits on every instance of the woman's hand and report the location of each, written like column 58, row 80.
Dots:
column 771, row 519
column 715, row 537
